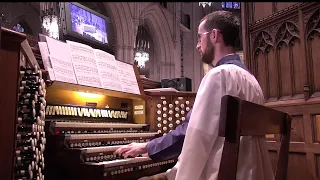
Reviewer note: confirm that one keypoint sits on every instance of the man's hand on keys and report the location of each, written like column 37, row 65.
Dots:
column 132, row 150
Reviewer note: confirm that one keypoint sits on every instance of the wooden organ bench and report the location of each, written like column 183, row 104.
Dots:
column 243, row 118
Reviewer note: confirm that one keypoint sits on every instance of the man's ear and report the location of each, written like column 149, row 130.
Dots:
column 213, row 36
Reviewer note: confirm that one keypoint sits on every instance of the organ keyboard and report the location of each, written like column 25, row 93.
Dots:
column 87, row 140
column 97, row 154
column 74, row 128
column 131, row 168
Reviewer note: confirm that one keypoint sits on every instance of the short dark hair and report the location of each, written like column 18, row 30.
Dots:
column 226, row 23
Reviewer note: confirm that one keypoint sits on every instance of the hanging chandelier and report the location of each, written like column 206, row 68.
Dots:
column 49, row 19
column 141, row 47
column 204, row 4
column 141, row 58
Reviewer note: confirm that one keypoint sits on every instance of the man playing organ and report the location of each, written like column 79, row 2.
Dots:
column 162, row 148
column 202, row 148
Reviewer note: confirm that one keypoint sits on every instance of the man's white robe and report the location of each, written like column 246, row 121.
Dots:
column 202, row 149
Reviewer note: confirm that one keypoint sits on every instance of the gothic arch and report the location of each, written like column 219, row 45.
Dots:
column 155, row 20
column 18, row 19
column 313, row 24
column 121, row 20
column 161, row 35
column 286, row 34
column 22, row 21
column 262, row 42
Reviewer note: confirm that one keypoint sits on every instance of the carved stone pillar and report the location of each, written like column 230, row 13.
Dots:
column 124, row 53
column 119, row 53
column 127, row 54
column 176, row 69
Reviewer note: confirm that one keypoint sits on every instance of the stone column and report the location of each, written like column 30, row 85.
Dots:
column 176, row 41
column 118, row 53
column 127, row 54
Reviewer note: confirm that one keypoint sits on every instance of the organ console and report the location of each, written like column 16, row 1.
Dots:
column 84, row 130
column 56, row 130
column 22, row 105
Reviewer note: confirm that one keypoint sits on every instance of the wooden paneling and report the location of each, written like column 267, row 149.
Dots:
column 283, row 5
column 299, row 67
column 262, row 73
column 285, row 73
column 318, row 165
column 316, row 128
column 261, row 10
column 282, row 51
column 313, row 51
column 273, row 75
column 297, row 131
column 297, row 167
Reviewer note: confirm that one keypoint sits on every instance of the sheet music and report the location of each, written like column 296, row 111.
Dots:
column 107, row 67
column 84, row 64
column 58, row 49
column 44, row 51
column 128, row 78
column 63, row 70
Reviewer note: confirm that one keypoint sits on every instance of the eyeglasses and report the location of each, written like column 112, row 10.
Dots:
column 199, row 35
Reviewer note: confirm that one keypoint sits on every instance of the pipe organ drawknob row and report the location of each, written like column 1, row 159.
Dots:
column 171, row 114
column 30, row 138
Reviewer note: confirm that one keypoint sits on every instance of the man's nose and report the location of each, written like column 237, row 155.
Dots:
column 198, row 46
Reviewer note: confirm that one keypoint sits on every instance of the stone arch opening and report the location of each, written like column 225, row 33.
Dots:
column 160, row 32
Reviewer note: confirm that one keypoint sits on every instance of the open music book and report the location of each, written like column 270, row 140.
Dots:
column 78, row 63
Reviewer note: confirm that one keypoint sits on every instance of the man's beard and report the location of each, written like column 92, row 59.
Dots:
column 208, row 55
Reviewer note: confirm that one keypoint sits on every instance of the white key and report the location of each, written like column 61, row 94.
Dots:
column 96, row 125
column 106, row 136
column 100, row 149
column 121, row 162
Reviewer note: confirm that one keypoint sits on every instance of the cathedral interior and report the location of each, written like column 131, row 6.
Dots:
column 278, row 42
